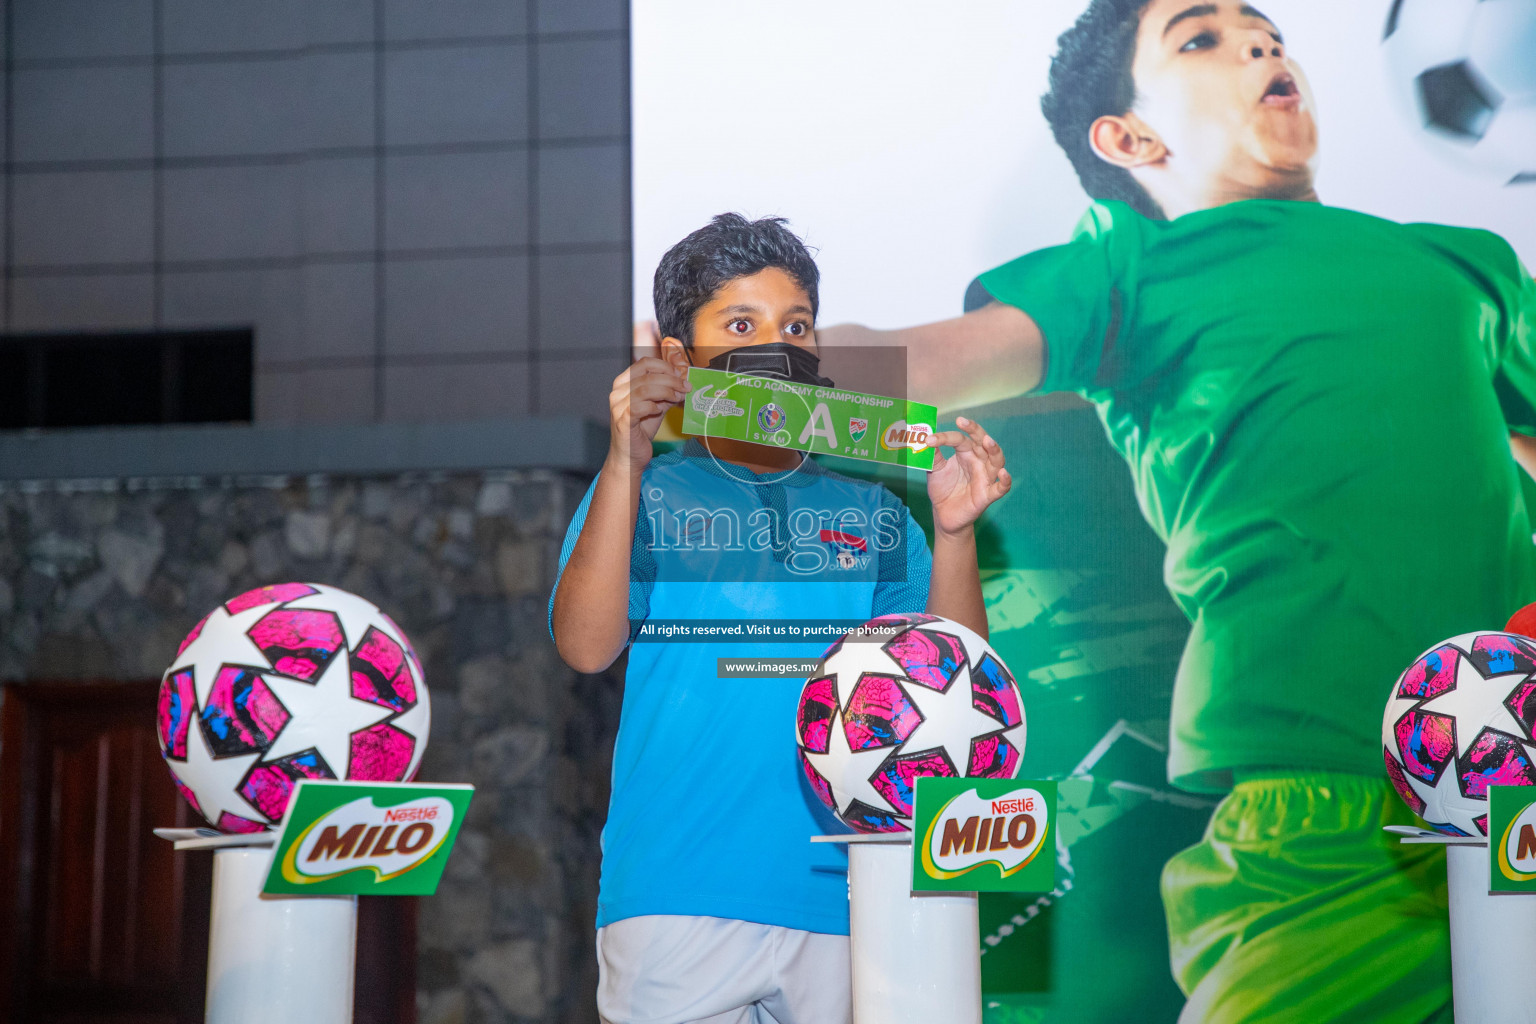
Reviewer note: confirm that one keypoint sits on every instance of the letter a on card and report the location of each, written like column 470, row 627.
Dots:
column 819, row 425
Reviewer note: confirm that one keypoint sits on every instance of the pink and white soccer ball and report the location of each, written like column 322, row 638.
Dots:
column 287, row 682
column 1459, row 720
column 931, row 699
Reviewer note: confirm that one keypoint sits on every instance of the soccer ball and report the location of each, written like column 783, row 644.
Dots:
column 288, row 682
column 1458, row 721
column 1466, row 72
column 902, row 697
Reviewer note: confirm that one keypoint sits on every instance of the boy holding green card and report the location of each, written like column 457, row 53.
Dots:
column 714, row 906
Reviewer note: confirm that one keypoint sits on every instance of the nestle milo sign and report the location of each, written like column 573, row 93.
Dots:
column 984, row 835
column 362, row 838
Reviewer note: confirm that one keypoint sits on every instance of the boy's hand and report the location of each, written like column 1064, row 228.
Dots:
column 640, row 397
column 963, row 485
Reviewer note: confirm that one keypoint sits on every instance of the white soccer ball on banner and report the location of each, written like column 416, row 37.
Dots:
column 919, row 696
column 1465, row 71
column 1459, row 720
column 288, row 682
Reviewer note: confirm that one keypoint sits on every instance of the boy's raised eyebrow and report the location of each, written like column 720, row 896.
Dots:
column 1198, row 11
column 742, row 307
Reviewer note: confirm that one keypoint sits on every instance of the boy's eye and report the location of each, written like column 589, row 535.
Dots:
column 738, row 327
column 795, row 330
column 1203, row 41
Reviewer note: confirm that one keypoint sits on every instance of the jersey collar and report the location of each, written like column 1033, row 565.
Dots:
column 801, row 476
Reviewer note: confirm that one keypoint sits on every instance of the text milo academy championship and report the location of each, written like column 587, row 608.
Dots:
column 827, row 421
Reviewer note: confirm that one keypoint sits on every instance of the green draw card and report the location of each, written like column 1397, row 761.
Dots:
column 808, row 418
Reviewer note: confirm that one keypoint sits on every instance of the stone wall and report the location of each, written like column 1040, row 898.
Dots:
column 102, row 579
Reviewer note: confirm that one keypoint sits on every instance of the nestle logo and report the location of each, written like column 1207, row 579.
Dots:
column 1012, row 806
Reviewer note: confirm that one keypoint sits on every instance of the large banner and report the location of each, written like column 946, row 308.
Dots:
column 905, row 141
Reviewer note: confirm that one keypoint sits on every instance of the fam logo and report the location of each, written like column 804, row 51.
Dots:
column 849, row 550
column 358, row 836
column 1516, row 851
column 770, row 417
column 903, row 435
column 970, row 831
column 857, row 428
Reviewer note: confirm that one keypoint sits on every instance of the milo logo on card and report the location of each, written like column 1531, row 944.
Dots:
column 388, row 841
column 1512, row 838
column 348, row 838
column 971, row 830
column 901, row 434
column 983, row 835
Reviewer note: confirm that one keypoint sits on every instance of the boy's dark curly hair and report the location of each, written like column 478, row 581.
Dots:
column 728, row 247
column 1090, row 79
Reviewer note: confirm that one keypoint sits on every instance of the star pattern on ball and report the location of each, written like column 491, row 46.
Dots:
column 1446, row 793
column 1016, row 736
column 950, row 721
column 326, row 704
column 215, row 781
column 418, row 722
column 1473, row 697
column 355, row 616
column 1398, row 706
column 856, row 767
column 223, row 641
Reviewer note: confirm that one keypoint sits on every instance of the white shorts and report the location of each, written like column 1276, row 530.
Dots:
column 665, row 969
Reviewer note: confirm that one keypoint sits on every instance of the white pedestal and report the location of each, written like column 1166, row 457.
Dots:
column 1493, row 943
column 276, row 959
column 1493, row 937
column 916, row 956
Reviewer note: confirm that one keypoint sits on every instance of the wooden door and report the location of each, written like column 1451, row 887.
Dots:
column 100, row 921
column 104, row 923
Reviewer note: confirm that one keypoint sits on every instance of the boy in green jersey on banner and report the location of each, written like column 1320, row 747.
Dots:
column 1317, row 407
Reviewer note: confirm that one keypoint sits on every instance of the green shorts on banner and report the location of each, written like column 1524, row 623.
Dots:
column 1295, row 879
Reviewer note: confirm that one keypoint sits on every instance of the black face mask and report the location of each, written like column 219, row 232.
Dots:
column 779, row 360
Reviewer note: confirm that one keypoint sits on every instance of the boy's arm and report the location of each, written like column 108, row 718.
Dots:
column 590, row 611
column 989, row 354
column 961, row 487
column 591, row 606
column 955, row 588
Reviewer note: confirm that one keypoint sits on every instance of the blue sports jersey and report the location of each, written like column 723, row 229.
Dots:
column 709, row 813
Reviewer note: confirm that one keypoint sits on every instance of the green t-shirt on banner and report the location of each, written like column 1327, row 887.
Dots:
column 1315, row 407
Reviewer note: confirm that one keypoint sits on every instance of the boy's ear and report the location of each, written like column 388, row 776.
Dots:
column 672, row 351
column 1126, row 141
